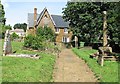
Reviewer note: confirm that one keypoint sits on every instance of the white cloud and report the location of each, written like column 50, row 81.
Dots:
column 5, row 3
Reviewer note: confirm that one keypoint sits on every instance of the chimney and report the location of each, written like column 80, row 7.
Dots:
column 35, row 17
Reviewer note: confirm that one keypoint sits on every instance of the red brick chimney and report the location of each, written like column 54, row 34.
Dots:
column 35, row 17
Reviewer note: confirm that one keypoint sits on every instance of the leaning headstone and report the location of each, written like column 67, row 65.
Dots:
column 7, row 48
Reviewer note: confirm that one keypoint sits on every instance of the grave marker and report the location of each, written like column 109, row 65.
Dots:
column 7, row 48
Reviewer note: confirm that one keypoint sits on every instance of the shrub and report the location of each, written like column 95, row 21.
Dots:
column 28, row 41
column 3, row 29
column 67, row 45
column 46, row 33
column 37, row 43
column 40, row 41
column 14, row 36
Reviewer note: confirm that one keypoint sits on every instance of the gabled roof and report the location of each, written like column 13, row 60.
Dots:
column 41, row 14
column 56, row 19
column 59, row 21
column 31, row 19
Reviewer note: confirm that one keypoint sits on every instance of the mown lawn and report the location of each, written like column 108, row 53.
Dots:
column 107, row 73
column 26, row 69
column 0, row 60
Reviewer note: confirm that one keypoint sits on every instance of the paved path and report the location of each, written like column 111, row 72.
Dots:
column 70, row 68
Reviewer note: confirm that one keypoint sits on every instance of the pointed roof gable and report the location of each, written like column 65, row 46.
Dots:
column 57, row 20
column 41, row 14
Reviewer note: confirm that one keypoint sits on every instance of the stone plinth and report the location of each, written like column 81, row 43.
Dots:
column 105, row 50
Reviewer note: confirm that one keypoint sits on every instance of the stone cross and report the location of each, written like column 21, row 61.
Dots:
column 105, row 42
column 7, row 48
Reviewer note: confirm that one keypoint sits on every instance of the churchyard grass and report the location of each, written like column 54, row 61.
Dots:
column 107, row 73
column 26, row 69
column 0, row 60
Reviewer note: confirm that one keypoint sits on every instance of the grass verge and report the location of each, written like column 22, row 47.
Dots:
column 26, row 69
column 107, row 73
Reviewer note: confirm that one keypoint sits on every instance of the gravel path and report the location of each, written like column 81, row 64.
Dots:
column 70, row 68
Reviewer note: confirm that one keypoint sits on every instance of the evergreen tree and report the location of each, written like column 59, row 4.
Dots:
column 86, row 20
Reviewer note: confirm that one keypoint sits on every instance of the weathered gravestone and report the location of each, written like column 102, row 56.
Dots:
column 7, row 48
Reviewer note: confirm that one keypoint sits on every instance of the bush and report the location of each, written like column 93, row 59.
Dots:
column 67, row 45
column 33, row 42
column 3, row 29
column 37, row 43
column 47, row 33
column 28, row 41
column 14, row 36
column 40, row 41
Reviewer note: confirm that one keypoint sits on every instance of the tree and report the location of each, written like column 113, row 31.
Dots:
column 2, row 14
column 2, row 19
column 118, row 22
column 4, row 28
column 20, row 26
column 86, row 20
column 83, row 18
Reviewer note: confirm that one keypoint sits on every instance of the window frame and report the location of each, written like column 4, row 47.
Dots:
column 65, row 30
column 57, row 30
column 65, row 39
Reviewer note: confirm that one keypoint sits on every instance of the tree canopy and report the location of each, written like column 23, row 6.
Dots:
column 86, row 20
column 2, row 14
column 20, row 26
column 3, row 27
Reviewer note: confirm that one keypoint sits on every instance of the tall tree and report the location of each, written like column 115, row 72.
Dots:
column 86, row 20
column 80, row 16
column 2, row 20
column 20, row 26
column 118, row 21
column 3, row 27
column 2, row 14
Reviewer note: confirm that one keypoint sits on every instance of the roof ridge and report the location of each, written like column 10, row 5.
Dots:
column 41, row 13
column 56, row 15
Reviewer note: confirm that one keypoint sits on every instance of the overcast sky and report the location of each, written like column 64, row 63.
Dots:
column 16, row 10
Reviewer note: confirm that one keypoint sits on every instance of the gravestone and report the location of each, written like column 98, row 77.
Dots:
column 7, row 48
column 76, row 41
